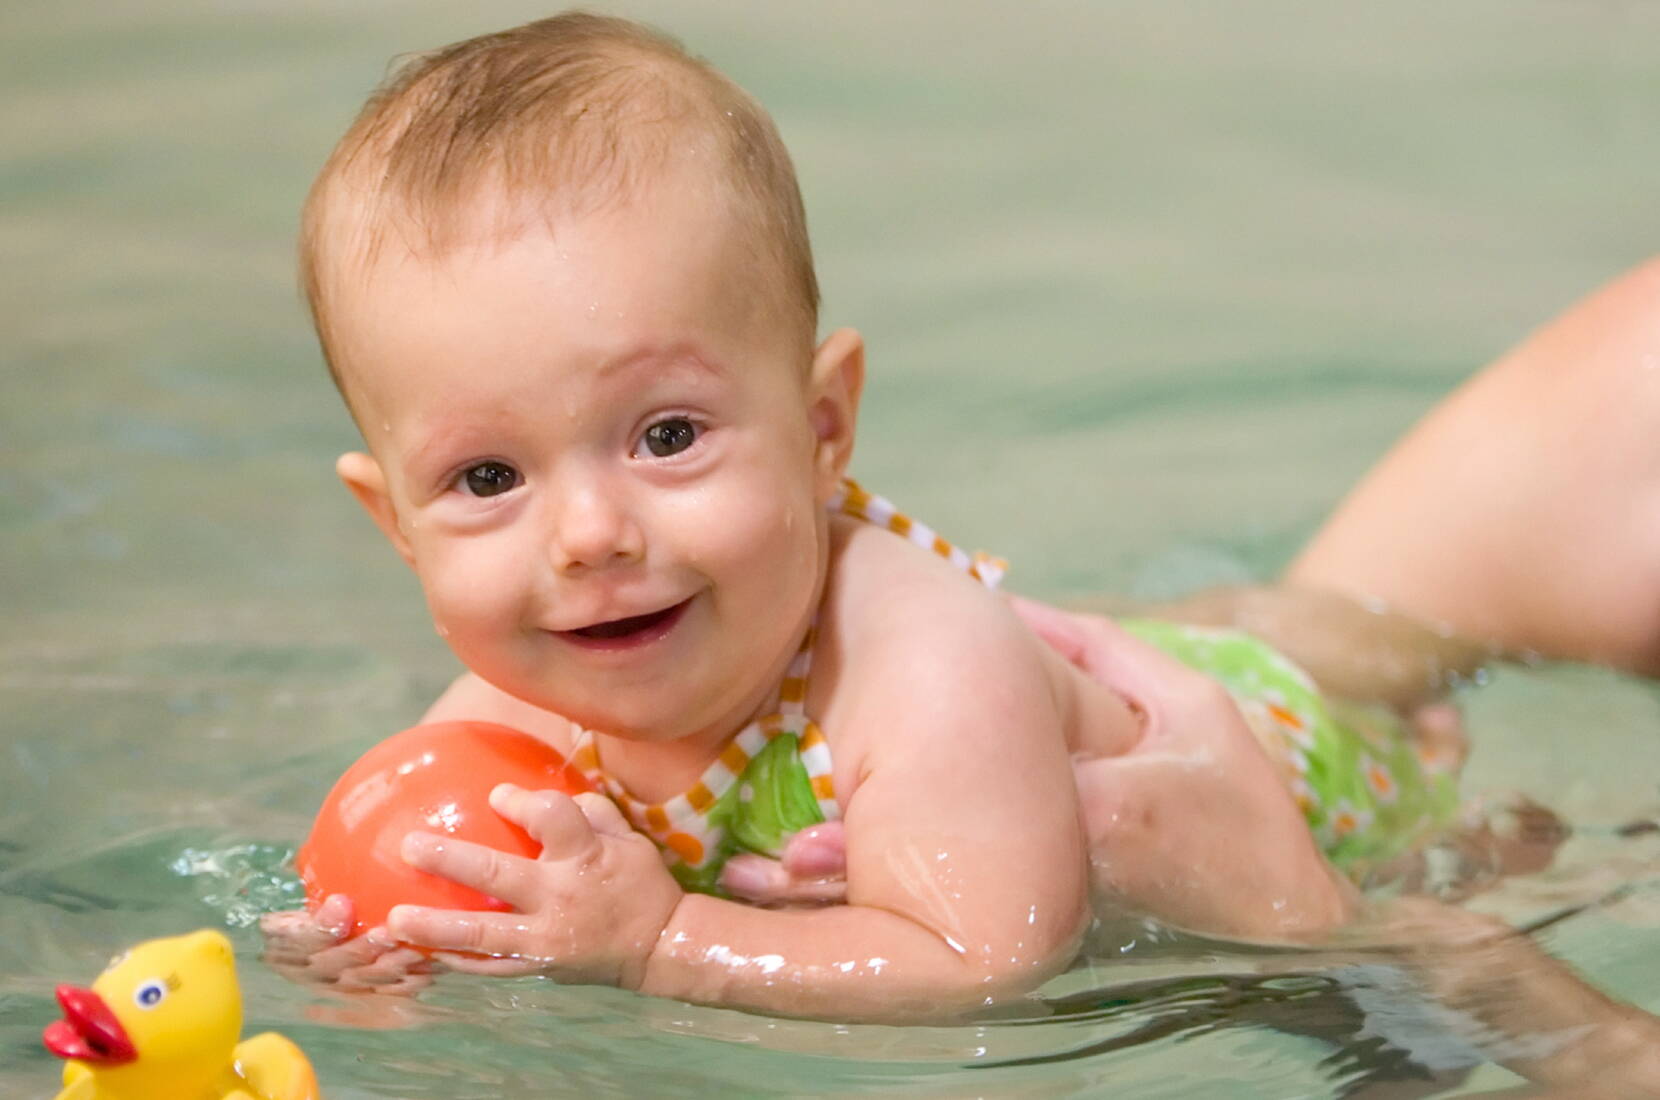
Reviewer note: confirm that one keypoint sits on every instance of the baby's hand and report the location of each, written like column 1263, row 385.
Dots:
column 812, row 870
column 589, row 909
column 313, row 947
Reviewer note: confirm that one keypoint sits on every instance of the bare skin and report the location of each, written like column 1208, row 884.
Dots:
column 1150, row 852
column 1583, row 364
column 1524, row 510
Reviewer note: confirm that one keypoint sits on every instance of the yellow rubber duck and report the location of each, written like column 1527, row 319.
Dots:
column 161, row 1023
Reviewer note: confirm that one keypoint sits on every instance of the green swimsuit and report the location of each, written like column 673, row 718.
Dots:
column 1367, row 790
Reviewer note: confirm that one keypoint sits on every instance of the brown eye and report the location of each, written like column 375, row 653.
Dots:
column 670, row 437
column 487, row 479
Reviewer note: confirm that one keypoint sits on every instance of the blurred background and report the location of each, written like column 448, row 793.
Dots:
column 1146, row 286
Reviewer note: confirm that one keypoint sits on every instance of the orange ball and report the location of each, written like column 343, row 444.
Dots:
column 435, row 778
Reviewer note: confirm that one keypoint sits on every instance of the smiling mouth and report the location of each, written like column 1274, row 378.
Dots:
column 632, row 631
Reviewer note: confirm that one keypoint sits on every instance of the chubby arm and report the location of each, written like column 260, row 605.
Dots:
column 966, row 869
column 966, row 874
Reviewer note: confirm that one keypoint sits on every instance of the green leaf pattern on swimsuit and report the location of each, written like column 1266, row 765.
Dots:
column 771, row 802
column 1368, row 791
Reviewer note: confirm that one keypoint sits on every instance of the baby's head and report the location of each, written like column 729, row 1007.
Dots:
column 562, row 279
column 557, row 117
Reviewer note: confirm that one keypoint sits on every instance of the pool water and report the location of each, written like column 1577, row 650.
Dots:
column 1146, row 285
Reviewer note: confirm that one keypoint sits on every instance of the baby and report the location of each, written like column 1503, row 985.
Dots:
column 561, row 276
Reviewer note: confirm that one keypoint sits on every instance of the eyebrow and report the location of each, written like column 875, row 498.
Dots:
column 419, row 457
column 677, row 357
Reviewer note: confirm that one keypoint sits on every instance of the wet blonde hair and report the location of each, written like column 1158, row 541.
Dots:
column 578, row 109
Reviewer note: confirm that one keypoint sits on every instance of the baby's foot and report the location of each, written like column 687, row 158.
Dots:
column 1509, row 836
column 1438, row 729
column 1521, row 836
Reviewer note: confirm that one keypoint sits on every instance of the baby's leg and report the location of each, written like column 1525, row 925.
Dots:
column 1357, row 652
column 1525, row 508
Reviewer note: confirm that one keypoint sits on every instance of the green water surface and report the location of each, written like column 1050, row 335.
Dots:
column 1146, row 285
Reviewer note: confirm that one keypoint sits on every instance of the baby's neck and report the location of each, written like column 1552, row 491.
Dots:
column 655, row 771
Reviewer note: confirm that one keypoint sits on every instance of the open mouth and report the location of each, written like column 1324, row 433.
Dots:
column 89, row 1031
column 632, row 631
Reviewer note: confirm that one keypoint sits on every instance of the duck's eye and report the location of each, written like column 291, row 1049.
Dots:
column 150, row 994
column 670, row 437
column 489, row 479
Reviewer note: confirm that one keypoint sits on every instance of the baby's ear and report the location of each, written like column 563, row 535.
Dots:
column 837, row 380
column 367, row 481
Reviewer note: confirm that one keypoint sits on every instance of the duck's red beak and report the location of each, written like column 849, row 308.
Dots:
column 89, row 1031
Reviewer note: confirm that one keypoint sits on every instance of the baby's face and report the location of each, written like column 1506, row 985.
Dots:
column 598, row 452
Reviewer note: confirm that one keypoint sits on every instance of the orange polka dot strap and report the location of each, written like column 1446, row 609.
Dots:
column 855, row 501
column 753, row 796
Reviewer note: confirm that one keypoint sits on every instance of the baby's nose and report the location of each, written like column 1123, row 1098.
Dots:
column 592, row 529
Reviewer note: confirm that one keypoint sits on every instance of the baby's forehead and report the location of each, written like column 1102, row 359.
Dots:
column 368, row 228
column 660, row 277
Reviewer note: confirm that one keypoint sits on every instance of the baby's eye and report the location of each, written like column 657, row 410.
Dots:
column 670, row 437
column 488, row 479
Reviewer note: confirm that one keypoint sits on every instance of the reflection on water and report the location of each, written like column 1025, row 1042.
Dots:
column 1146, row 285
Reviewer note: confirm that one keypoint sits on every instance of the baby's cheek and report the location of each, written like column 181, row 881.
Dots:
column 475, row 605
column 778, row 547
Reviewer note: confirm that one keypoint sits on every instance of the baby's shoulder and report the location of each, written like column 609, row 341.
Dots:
column 472, row 699
column 895, row 606
column 924, row 662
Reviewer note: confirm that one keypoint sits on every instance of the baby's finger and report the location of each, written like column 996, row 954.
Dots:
column 408, row 986
column 552, row 819
column 487, row 967
column 817, row 852
column 291, row 937
column 754, row 878
column 335, row 915
column 602, row 814
column 395, row 967
column 405, row 985
column 824, row 891
column 374, row 979
column 299, row 934
column 508, row 877
column 498, row 934
column 762, row 881
column 359, row 951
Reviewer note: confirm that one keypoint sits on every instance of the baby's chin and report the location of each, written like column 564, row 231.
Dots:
column 637, row 721
column 675, row 716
